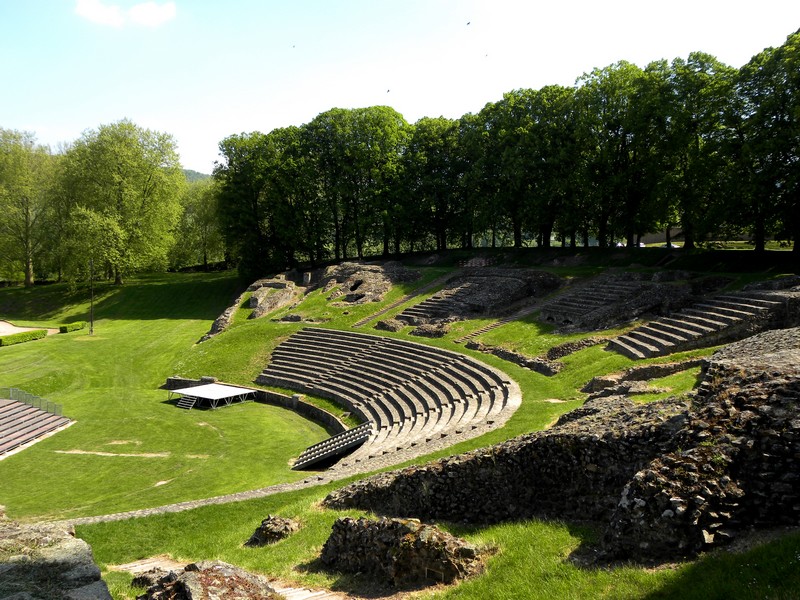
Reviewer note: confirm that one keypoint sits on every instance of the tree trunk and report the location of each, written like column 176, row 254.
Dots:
column 29, row 272
column 117, row 277
column 759, row 234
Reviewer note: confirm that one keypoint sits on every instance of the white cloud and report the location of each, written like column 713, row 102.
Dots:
column 97, row 12
column 147, row 14
column 151, row 14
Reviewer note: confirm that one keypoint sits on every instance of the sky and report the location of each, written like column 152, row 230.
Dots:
column 202, row 70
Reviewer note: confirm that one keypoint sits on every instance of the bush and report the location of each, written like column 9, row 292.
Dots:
column 24, row 336
column 72, row 326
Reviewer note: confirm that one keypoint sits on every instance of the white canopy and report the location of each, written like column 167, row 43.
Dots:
column 214, row 393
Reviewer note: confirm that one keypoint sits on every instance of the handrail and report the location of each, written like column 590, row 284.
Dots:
column 19, row 395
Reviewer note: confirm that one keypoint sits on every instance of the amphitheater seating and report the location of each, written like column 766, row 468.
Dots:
column 573, row 306
column 721, row 318
column 439, row 306
column 407, row 394
column 21, row 424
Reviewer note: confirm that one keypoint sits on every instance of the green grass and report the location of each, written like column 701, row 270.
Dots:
column 146, row 331
column 108, row 383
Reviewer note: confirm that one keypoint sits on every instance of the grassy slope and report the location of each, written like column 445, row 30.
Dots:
column 530, row 559
column 109, row 384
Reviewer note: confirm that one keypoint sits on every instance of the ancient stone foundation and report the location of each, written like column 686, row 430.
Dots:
column 400, row 552
column 668, row 479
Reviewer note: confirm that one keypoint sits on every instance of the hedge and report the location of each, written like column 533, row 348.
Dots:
column 23, row 336
column 72, row 326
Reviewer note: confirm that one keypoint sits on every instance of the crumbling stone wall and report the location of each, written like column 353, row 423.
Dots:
column 575, row 470
column 359, row 283
column 399, row 551
column 669, row 478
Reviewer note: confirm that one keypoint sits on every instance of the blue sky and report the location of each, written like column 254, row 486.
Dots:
column 202, row 70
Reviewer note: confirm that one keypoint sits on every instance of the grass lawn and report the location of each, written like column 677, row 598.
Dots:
column 131, row 449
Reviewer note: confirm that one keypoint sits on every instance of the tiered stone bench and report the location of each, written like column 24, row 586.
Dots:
column 409, row 395
column 21, row 424
column 439, row 306
column 721, row 319
column 576, row 304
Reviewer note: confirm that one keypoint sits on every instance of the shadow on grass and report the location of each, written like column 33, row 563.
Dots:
column 361, row 585
column 768, row 570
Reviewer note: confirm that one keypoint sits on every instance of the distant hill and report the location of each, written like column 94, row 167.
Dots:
column 192, row 176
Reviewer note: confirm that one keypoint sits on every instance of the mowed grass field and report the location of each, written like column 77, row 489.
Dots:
column 131, row 449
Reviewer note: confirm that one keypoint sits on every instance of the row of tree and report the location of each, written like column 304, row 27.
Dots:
column 691, row 143
column 116, row 197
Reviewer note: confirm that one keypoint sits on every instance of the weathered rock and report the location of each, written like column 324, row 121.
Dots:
column 272, row 529
column 44, row 562
column 270, row 297
column 359, row 283
column 670, row 478
column 390, row 325
column 431, row 330
column 212, row 580
column 399, row 551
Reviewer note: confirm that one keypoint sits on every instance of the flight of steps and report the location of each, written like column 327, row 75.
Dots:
column 438, row 306
column 706, row 323
column 334, row 446
column 21, row 424
column 572, row 306
column 186, row 402
column 423, row 290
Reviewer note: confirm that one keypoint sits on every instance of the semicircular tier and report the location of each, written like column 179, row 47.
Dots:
column 413, row 398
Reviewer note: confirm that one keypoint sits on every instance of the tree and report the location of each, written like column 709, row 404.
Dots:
column 702, row 88
column 769, row 89
column 26, row 174
column 432, row 175
column 132, row 177
column 198, row 236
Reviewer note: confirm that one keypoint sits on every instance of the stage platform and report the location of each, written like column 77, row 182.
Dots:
column 211, row 395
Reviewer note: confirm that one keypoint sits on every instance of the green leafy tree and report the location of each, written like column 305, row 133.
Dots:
column 131, row 177
column 769, row 153
column 702, row 88
column 198, row 236
column 26, row 179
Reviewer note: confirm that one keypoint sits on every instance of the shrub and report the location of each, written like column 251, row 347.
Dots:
column 23, row 336
column 72, row 326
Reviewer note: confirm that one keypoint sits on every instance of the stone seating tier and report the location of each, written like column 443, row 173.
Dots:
column 722, row 318
column 20, row 424
column 411, row 393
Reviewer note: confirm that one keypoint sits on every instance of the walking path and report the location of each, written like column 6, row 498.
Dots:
column 6, row 327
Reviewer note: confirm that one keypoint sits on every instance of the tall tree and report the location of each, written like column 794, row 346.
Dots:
column 132, row 177
column 702, row 87
column 198, row 235
column 26, row 178
column 769, row 88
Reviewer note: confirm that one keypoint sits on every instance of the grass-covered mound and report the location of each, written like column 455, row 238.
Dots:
column 147, row 329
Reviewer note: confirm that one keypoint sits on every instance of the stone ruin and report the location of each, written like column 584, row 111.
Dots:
column 269, row 295
column 46, row 562
column 271, row 530
column 399, row 552
column 666, row 479
column 481, row 292
column 205, row 579
column 360, row 283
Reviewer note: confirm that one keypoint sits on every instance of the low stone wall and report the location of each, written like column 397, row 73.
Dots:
column 399, row 552
column 270, row 297
column 669, row 478
column 640, row 373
